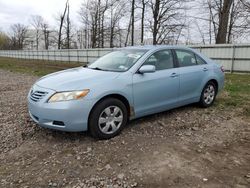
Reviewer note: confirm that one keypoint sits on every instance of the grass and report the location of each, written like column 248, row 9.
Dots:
column 236, row 93
column 35, row 67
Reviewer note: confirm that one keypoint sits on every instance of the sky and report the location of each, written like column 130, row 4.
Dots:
column 20, row 11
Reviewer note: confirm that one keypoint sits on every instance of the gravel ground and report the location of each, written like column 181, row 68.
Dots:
column 185, row 147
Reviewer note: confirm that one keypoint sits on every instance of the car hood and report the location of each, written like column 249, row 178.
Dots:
column 75, row 79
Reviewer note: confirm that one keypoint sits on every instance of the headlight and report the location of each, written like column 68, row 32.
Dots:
column 70, row 95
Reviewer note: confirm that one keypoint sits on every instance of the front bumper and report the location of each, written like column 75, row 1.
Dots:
column 71, row 116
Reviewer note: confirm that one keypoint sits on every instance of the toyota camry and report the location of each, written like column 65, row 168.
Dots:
column 125, row 84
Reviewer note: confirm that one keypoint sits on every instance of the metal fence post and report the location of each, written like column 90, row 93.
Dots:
column 77, row 53
column 233, row 57
column 68, row 56
column 87, row 56
column 54, row 55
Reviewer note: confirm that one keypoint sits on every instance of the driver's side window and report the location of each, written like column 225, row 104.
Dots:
column 161, row 60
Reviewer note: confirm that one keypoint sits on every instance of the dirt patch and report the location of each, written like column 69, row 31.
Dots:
column 185, row 147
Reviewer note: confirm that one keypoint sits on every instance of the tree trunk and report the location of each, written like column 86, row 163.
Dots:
column 102, row 30
column 223, row 22
column 68, row 30
column 142, row 21
column 128, row 31
column 37, row 39
column 61, row 26
column 111, row 29
column 132, row 22
column 155, row 25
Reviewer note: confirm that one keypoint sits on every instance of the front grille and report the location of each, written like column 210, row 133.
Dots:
column 37, row 95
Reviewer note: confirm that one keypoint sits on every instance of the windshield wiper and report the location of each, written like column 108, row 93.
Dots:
column 97, row 68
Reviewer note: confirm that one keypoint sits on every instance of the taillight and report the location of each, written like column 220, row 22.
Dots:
column 222, row 69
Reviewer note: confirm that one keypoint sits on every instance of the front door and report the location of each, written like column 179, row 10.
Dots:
column 157, row 91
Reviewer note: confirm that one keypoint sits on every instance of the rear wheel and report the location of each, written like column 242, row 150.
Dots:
column 107, row 118
column 208, row 94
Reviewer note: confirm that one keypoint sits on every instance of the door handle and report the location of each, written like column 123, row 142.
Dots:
column 205, row 69
column 173, row 75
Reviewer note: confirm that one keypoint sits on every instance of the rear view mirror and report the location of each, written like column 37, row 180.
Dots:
column 147, row 69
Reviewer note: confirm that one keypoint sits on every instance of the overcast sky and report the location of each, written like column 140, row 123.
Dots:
column 20, row 11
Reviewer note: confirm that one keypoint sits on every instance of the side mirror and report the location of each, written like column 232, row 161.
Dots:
column 147, row 69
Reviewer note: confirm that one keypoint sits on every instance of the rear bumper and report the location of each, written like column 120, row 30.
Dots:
column 71, row 116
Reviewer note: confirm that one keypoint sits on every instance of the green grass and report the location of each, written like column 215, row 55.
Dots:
column 35, row 67
column 235, row 95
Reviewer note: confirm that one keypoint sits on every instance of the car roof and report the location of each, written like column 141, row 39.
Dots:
column 155, row 47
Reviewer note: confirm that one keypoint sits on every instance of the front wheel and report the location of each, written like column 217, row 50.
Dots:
column 208, row 95
column 107, row 118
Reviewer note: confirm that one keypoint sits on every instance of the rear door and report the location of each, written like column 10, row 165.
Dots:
column 193, row 71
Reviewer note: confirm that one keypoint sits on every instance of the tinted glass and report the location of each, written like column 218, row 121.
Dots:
column 185, row 58
column 118, row 60
column 161, row 60
column 199, row 60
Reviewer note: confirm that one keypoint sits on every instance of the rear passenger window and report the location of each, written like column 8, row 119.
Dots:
column 199, row 60
column 185, row 58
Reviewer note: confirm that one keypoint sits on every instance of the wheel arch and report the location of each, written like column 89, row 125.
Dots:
column 120, row 97
column 215, row 82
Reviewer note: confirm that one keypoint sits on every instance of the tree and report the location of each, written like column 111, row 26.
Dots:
column 61, row 19
column 68, row 30
column 36, row 22
column 166, row 19
column 46, row 32
column 19, row 34
column 132, row 22
column 143, row 4
column 228, row 18
column 101, row 21
column 224, row 12
column 116, row 13
column 5, row 42
column 89, row 16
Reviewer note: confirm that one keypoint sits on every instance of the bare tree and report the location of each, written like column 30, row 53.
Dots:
column 18, row 36
column 89, row 16
column 224, row 12
column 228, row 18
column 62, row 16
column 46, row 33
column 116, row 13
column 68, row 29
column 142, row 6
column 36, row 22
column 5, row 41
column 166, row 19
column 132, row 22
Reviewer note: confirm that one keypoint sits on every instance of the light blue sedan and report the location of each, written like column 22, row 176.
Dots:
column 122, row 85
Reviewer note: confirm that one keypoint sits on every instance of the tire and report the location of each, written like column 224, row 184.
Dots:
column 208, row 95
column 107, row 118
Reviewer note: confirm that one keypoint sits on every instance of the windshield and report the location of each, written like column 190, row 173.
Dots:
column 119, row 61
